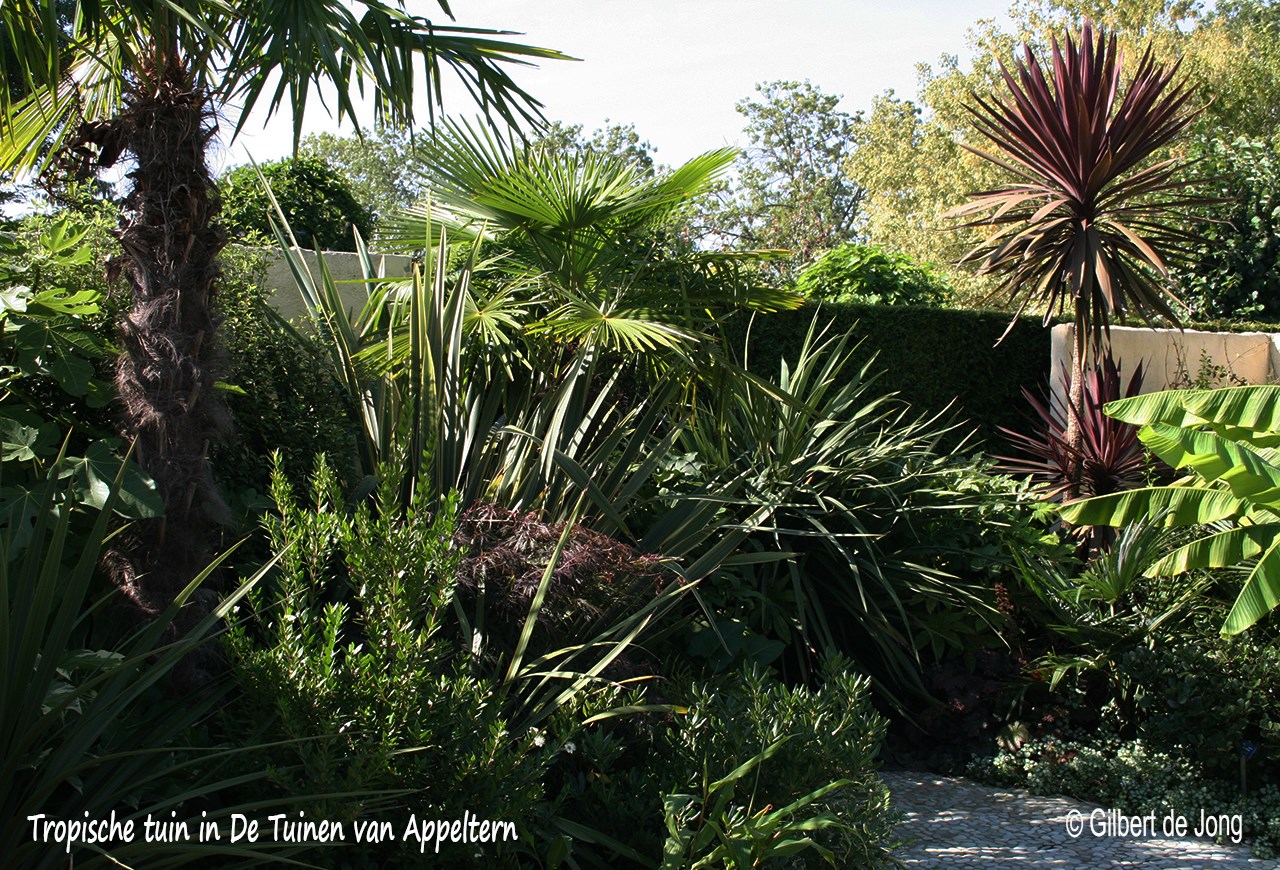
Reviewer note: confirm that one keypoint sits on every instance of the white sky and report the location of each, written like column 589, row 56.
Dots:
column 675, row 68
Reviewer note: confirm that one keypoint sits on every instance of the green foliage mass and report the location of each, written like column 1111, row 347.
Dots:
column 871, row 275
column 1225, row 439
column 936, row 360
column 790, row 191
column 733, row 769
column 353, row 655
column 380, row 169
column 316, row 200
column 1235, row 272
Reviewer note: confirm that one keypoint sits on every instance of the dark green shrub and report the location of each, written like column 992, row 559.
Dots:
column 871, row 275
column 936, row 359
column 1235, row 271
column 353, row 655
column 315, row 199
column 622, row 773
column 281, row 399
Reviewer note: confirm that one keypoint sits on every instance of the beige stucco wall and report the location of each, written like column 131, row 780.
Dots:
column 286, row 299
column 1170, row 355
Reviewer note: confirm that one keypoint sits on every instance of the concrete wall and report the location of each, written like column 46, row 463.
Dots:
column 1173, row 357
column 286, row 299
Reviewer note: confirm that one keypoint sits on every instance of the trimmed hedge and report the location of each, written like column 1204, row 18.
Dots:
column 929, row 356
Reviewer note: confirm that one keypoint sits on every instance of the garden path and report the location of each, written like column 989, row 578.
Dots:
column 956, row 822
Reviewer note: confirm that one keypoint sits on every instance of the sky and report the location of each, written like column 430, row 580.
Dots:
column 676, row 68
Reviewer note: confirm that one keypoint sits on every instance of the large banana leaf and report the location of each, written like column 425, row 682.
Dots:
column 1225, row 438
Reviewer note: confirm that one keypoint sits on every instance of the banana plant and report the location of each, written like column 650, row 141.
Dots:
column 1226, row 440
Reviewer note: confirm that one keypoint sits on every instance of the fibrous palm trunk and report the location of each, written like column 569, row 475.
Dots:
column 167, row 372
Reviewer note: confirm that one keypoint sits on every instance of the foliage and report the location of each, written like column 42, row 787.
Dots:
column 1109, row 457
column 1225, row 439
column 842, row 478
column 959, row 369
column 805, row 738
column 379, row 167
column 577, row 226
column 51, row 392
column 314, row 198
column 505, row 554
column 1235, row 271
column 749, row 769
column 363, row 636
column 1086, row 220
column 149, row 82
column 87, row 727
column 619, row 140
column 871, row 275
column 376, row 43
column 791, row 191
column 341, row 652
column 281, row 401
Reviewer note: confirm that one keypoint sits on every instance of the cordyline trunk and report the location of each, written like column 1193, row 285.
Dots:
column 1075, row 413
column 167, row 371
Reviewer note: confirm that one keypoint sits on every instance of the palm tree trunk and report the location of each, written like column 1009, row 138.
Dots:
column 167, row 371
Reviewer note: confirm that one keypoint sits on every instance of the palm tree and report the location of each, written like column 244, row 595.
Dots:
column 1089, row 221
column 149, row 80
column 587, row 228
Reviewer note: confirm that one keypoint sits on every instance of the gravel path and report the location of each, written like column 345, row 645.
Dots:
column 955, row 822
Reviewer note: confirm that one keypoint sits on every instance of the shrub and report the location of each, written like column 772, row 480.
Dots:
column 351, row 655
column 845, row 492
column 315, row 199
column 742, row 748
column 1235, row 270
column 935, row 359
column 871, row 275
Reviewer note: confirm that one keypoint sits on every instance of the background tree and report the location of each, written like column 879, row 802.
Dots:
column 909, row 157
column 149, row 80
column 791, row 191
column 315, row 199
column 867, row 273
column 1235, row 271
column 379, row 167
column 619, row 140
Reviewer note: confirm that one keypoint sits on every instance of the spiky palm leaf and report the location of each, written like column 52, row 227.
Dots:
column 273, row 53
column 578, row 223
column 1086, row 224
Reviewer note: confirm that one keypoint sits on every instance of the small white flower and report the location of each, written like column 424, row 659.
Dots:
column 570, row 748
column 539, row 741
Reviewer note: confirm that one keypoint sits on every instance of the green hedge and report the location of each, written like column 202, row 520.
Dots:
column 929, row 356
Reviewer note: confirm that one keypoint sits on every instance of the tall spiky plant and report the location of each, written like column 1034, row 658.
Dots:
column 1090, row 219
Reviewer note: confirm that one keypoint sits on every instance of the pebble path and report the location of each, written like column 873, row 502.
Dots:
column 951, row 822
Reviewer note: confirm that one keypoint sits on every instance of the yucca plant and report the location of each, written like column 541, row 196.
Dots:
column 841, row 481
column 1226, row 439
column 1091, row 217
column 86, row 732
